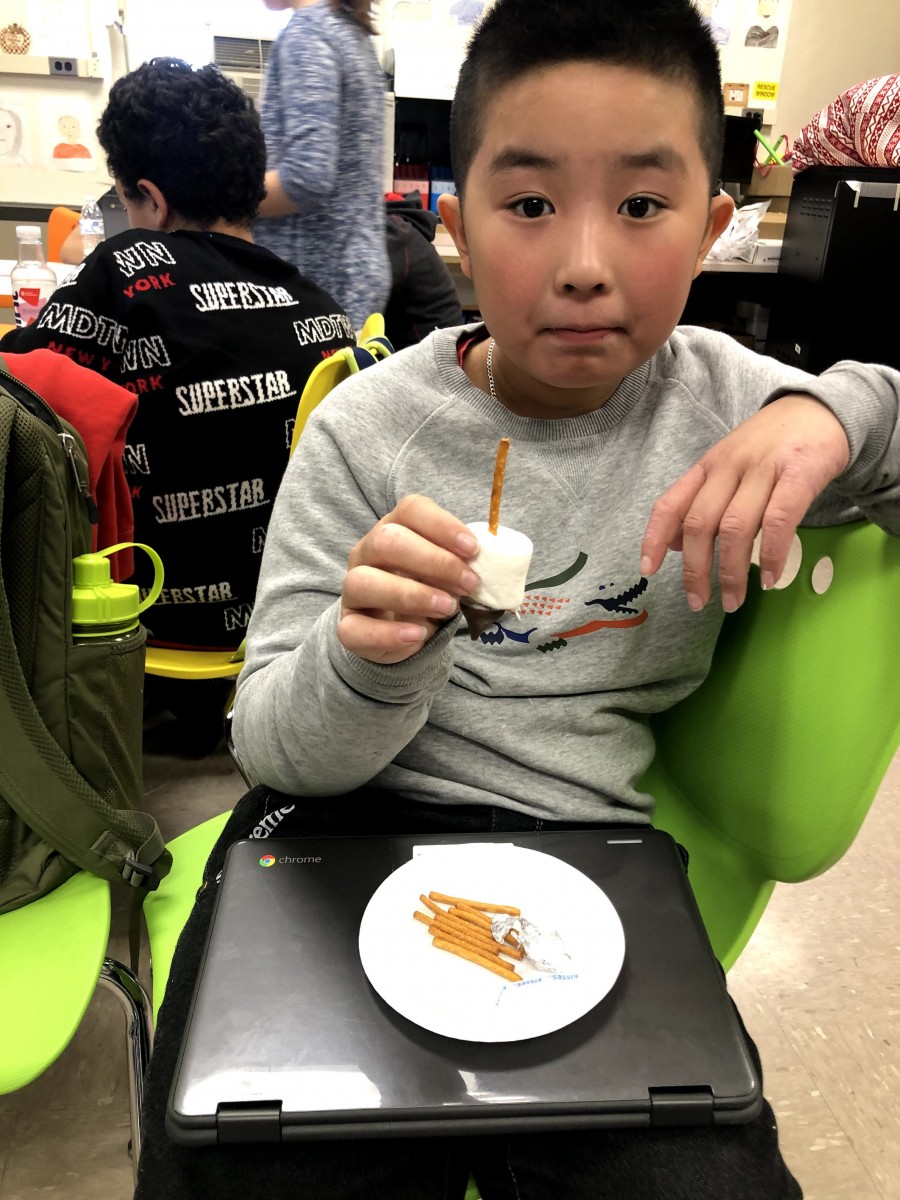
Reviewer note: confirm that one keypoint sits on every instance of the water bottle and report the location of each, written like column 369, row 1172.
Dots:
column 105, row 610
column 33, row 282
column 90, row 225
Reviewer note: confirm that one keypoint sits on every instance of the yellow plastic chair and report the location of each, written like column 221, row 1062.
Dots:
column 226, row 664
column 766, row 772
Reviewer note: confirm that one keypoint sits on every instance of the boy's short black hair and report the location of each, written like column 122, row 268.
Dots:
column 191, row 132
column 667, row 38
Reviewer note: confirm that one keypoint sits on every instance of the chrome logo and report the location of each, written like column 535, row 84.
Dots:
column 267, row 860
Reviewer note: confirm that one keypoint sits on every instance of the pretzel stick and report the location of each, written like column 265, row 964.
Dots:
column 472, row 933
column 473, row 917
column 489, row 964
column 439, row 929
column 497, row 485
column 459, row 929
column 493, row 908
column 434, row 907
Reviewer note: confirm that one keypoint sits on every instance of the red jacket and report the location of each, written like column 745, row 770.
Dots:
column 101, row 411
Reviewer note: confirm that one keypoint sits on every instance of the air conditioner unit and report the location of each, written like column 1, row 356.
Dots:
column 243, row 59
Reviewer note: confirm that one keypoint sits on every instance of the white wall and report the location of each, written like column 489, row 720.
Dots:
column 77, row 29
column 185, row 28
column 833, row 44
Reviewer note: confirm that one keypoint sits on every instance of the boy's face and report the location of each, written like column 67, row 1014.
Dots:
column 587, row 215
column 7, row 132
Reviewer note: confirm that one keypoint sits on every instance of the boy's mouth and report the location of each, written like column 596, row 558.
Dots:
column 583, row 333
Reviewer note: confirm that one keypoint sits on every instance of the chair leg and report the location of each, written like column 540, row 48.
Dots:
column 135, row 1002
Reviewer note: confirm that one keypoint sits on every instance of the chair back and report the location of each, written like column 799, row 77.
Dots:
column 767, row 771
column 226, row 664
column 60, row 224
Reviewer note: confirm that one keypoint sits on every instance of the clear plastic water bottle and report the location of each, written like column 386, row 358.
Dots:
column 90, row 225
column 33, row 282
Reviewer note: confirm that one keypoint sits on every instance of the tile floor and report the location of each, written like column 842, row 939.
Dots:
column 819, row 988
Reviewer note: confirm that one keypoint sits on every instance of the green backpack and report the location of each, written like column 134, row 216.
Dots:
column 70, row 714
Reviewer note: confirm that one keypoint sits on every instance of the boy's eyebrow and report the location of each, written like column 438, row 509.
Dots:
column 663, row 158
column 513, row 157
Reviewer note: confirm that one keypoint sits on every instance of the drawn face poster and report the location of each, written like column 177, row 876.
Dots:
column 66, row 129
column 14, row 131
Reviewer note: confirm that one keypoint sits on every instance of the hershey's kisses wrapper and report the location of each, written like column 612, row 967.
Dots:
column 544, row 949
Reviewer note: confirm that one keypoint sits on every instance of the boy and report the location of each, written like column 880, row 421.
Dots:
column 586, row 136
column 423, row 294
column 215, row 336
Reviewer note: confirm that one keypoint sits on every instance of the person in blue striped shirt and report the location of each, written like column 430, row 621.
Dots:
column 323, row 119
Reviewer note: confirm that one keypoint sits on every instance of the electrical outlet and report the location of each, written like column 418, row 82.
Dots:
column 753, row 112
column 64, row 66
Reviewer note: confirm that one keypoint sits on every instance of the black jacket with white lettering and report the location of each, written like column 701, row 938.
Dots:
column 217, row 338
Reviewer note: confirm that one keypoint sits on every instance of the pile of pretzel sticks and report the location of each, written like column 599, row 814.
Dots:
column 464, row 928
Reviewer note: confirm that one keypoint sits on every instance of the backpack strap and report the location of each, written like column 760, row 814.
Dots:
column 40, row 783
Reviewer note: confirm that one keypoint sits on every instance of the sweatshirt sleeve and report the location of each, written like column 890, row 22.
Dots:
column 865, row 398
column 310, row 101
column 301, row 693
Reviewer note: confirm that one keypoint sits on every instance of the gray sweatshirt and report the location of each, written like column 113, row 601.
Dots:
column 547, row 711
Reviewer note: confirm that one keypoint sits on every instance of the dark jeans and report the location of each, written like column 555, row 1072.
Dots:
column 737, row 1162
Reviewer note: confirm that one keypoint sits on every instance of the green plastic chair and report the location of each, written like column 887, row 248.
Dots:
column 53, row 956
column 766, row 772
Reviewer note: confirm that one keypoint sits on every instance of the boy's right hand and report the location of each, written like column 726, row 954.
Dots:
column 404, row 579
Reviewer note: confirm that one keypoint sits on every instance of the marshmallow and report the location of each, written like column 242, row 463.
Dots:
column 501, row 561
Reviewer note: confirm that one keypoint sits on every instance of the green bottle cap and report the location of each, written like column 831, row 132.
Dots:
column 100, row 606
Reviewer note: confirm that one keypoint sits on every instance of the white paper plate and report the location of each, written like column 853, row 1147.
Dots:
column 459, row 999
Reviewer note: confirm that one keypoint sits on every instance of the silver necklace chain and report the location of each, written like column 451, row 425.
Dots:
column 490, row 369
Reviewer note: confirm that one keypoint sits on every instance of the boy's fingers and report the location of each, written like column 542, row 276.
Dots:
column 667, row 517
column 391, row 546
column 702, row 525
column 380, row 640
column 790, row 500
column 439, row 526
column 435, row 524
column 737, row 529
column 367, row 588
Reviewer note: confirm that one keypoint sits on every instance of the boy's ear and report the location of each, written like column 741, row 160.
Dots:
column 450, row 210
column 156, row 209
column 720, row 209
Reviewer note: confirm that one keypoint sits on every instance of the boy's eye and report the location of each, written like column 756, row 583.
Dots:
column 641, row 207
column 532, row 206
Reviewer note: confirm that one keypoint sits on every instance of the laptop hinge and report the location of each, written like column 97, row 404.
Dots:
column 681, row 1106
column 252, row 1122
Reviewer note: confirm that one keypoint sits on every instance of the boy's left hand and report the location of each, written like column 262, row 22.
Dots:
column 763, row 475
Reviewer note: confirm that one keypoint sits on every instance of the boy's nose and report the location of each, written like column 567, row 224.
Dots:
column 583, row 263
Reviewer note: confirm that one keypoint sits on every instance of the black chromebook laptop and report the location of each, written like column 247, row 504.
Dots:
column 291, row 1037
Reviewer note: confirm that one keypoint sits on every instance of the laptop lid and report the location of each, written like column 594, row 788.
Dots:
column 287, row 1039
